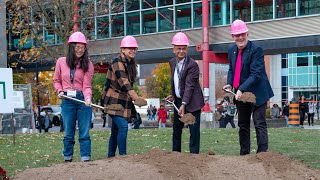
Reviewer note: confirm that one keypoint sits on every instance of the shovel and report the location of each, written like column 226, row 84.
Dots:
column 113, row 107
column 187, row 118
column 245, row 97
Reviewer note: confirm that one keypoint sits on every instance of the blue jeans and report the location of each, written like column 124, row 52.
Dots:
column 119, row 131
column 71, row 112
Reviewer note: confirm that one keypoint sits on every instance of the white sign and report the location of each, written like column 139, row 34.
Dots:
column 151, row 103
column 18, row 99
column 6, row 90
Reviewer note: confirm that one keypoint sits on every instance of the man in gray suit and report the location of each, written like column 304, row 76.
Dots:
column 185, row 92
column 247, row 73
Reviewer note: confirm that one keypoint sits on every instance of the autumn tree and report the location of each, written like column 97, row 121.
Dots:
column 158, row 84
column 38, row 30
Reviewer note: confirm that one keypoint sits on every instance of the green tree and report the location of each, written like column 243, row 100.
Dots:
column 158, row 84
column 98, row 81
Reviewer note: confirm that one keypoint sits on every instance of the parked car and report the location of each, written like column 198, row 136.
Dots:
column 54, row 113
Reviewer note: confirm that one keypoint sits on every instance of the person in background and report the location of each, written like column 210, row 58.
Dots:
column 118, row 89
column 247, row 73
column 73, row 78
column 149, row 113
column 275, row 111
column 92, row 120
column 154, row 113
column 47, row 121
column 104, row 117
column 137, row 121
column 162, row 117
column 311, row 110
column 185, row 92
column 230, row 112
column 303, row 109
column 285, row 113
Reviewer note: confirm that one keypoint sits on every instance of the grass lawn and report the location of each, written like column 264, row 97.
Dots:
column 40, row 150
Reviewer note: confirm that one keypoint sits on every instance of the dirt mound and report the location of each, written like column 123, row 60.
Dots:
column 162, row 165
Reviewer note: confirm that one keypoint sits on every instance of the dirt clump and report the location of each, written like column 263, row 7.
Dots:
column 163, row 165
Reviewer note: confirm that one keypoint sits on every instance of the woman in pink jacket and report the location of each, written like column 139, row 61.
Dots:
column 73, row 78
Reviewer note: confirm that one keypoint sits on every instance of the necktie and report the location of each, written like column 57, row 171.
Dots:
column 236, row 79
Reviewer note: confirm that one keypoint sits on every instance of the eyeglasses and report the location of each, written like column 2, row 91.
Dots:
column 181, row 49
column 238, row 35
column 78, row 48
column 132, row 48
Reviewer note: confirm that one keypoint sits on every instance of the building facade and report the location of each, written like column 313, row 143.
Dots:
column 288, row 31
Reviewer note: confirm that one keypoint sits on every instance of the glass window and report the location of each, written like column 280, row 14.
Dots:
column 316, row 60
column 302, row 61
column 117, row 6
column 284, row 63
column 197, row 15
column 149, row 21
column 182, row 1
column 103, row 27
column 221, row 12
column 117, row 26
column 284, row 88
column 284, row 80
column 164, row 25
column 86, row 9
column 49, row 35
column 165, row 2
column 183, row 16
column 133, row 23
column 242, row 10
column 263, row 9
column 284, row 96
column 146, row 5
column 88, row 28
column 286, row 8
column 308, row 7
column 133, row 5
column 102, row 7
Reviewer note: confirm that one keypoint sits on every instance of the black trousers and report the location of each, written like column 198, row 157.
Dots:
column 194, row 145
column 245, row 110
column 310, row 117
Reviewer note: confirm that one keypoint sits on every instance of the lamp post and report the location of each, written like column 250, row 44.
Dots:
column 317, row 55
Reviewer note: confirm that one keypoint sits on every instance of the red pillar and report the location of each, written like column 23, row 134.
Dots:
column 205, row 53
column 75, row 17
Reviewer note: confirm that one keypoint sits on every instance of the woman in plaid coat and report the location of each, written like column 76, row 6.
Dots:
column 119, row 90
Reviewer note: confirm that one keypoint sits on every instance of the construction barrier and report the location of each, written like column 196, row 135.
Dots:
column 294, row 117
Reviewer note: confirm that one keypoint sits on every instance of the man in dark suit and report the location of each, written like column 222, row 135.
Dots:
column 185, row 92
column 247, row 73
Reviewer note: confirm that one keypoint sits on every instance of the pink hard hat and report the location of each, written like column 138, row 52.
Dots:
column 128, row 41
column 77, row 37
column 180, row 39
column 238, row 27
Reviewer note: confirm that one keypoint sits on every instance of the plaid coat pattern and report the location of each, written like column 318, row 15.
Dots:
column 118, row 88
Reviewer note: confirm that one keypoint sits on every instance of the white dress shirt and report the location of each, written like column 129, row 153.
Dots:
column 176, row 79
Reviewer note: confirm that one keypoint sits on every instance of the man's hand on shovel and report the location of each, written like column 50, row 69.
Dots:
column 185, row 118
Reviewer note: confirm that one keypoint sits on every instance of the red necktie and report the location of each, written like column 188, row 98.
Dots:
column 236, row 79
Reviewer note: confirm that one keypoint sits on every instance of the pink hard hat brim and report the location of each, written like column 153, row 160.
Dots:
column 69, row 42
column 180, row 44
column 239, row 32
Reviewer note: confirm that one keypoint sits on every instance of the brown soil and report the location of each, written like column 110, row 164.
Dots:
column 248, row 97
column 162, row 165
